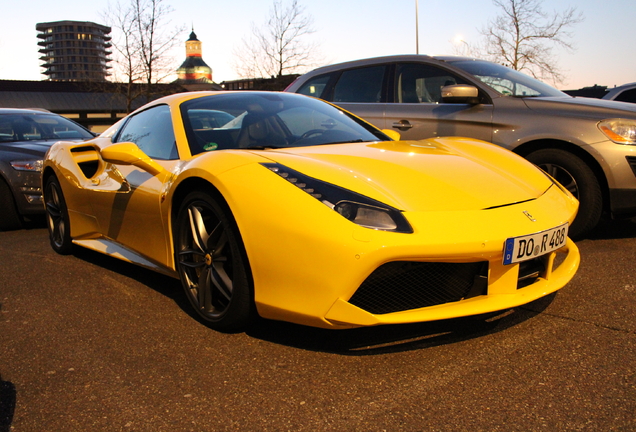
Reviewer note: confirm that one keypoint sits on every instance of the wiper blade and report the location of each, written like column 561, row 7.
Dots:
column 359, row 140
column 262, row 147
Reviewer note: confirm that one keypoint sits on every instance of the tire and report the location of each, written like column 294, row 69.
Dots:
column 212, row 264
column 57, row 219
column 9, row 217
column 577, row 177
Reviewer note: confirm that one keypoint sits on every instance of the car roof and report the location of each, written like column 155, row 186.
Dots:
column 388, row 59
column 25, row 111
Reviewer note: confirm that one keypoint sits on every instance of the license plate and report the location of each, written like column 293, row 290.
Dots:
column 530, row 246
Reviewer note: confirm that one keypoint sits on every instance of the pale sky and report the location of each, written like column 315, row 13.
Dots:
column 345, row 30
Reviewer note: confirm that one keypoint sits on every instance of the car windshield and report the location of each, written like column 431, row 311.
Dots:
column 269, row 120
column 39, row 127
column 506, row 81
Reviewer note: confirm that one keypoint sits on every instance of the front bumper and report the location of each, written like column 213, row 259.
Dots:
column 27, row 190
column 502, row 292
column 618, row 162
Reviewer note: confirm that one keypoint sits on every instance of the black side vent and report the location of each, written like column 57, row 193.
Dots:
column 87, row 158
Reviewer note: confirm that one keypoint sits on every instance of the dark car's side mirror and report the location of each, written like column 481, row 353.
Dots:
column 460, row 94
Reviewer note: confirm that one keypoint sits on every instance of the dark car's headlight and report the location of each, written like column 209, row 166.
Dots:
column 357, row 208
column 621, row 131
column 27, row 165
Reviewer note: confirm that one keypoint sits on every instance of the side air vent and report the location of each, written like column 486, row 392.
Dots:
column 87, row 158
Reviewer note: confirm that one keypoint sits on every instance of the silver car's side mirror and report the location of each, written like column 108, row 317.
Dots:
column 460, row 93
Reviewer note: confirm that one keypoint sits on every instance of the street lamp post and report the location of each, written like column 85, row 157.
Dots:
column 417, row 31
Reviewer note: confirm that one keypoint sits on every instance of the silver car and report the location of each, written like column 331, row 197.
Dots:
column 588, row 145
column 25, row 137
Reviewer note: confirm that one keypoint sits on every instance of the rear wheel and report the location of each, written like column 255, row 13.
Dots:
column 212, row 264
column 9, row 217
column 57, row 219
column 577, row 177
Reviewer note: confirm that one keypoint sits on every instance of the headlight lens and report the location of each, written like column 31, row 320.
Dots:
column 357, row 208
column 621, row 131
column 27, row 165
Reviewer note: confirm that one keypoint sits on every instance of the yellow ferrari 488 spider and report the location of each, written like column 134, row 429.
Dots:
column 287, row 207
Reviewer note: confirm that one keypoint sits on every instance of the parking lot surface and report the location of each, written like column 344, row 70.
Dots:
column 91, row 343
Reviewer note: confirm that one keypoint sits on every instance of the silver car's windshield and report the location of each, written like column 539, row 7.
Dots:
column 506, row 81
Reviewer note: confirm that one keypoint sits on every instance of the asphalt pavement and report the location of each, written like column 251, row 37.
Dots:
column 89, row 343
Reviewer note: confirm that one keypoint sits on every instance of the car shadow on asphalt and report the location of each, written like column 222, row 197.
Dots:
column 358, row 342
column 395, row 338
column 614, row 229
column 7, row 404
column 161, row 283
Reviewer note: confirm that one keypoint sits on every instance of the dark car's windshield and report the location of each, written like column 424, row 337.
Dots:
column 269, row 120
column 38, row 127
column 506, row 81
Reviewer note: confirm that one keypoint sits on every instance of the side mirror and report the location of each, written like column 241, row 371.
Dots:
column 127, row 153
column 460, row 93
column 394, row 135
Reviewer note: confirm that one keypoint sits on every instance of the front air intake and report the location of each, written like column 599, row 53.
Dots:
column 404, row 285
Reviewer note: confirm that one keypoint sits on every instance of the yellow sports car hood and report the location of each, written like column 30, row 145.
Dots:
column 443, row 174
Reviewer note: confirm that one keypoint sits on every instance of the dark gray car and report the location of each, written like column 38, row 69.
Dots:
column 25, row 137
column 589, row 145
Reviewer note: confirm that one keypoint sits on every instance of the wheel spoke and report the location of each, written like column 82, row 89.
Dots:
column 221, row 280
column 185, row 254
column 204, row 291
column 219, row 245
column 197, row 227
column 53, row 210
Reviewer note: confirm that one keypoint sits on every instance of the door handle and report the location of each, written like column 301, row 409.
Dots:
column 402, row 125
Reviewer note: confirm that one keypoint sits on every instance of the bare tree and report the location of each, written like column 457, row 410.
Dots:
column 523, row 37
column 142, row 43
column 279, row 46
column 129, row 69
column 155, row 38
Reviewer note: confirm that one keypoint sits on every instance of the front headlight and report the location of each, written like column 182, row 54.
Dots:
column 28, row 165
column 620, row 131
column 357, row 208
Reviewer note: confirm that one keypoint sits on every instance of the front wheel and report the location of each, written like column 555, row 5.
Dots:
column 57, row 219
column 212, row 263
column 577, row 177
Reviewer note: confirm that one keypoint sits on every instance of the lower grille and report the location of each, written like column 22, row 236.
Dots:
column 404, row 285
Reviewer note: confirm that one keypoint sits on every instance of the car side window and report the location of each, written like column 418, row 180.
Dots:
column 627, row 96
column 152, row 131
column 360, row 85
column 315, row 86
column 422, row 83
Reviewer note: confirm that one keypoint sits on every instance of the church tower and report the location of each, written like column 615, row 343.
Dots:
column 194, row 70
